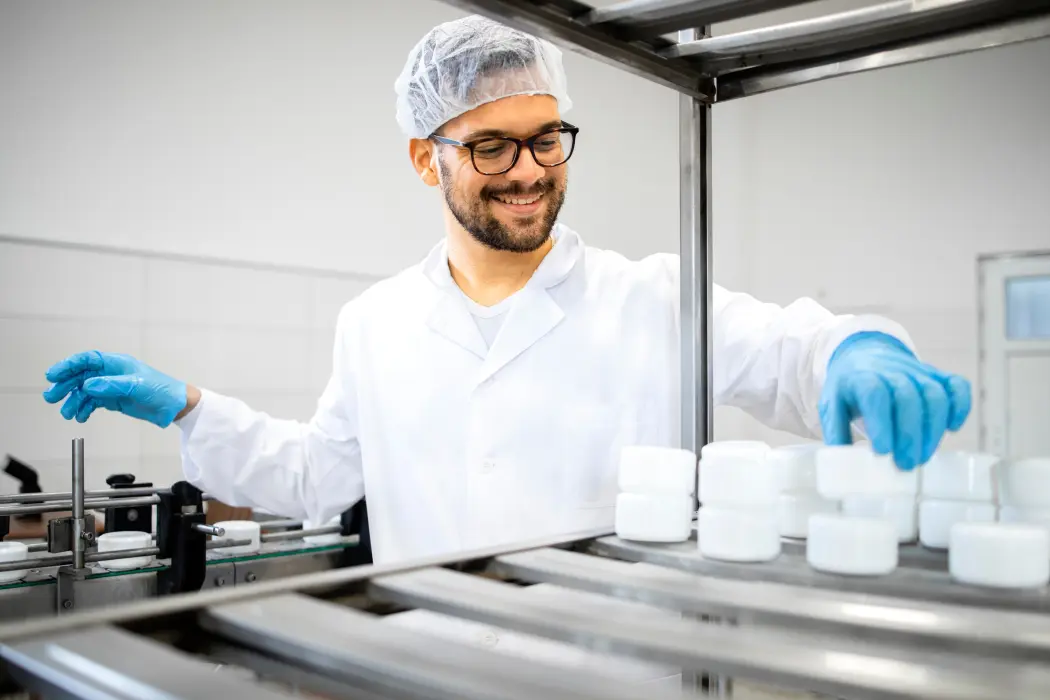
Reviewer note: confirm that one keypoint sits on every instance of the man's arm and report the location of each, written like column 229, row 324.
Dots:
column 241, row 456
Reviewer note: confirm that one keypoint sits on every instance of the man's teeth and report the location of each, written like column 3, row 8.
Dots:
column 517, row 200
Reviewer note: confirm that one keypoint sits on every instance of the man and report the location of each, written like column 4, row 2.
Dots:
column 481, row 397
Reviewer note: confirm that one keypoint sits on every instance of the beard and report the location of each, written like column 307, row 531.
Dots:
column 478, row 220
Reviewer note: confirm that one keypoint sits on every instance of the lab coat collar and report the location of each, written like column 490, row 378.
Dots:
column 533, row 315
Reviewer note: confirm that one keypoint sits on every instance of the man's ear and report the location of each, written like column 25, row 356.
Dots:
column 424, row 160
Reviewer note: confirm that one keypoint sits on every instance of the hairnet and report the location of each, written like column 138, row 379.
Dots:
column 463, row 64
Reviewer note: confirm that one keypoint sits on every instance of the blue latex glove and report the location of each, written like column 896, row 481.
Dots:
column 906, row 405
column 115, row 382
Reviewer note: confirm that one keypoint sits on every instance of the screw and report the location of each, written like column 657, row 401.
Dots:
column 250, row 577
column 220, row 582
column 132, row 516
column 88, row 536
column 67, row 604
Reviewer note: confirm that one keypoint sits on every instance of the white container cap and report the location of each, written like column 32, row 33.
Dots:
column 936, row 519
column 855, row 470
column 13, row 551
column 794, row 509
column 796, row 468
column 748, row 449
column 1025, row 482
column 960, row 476
column 902, row 511
column 240, row 530
column 118, row 541
column 999, row 555
column 657, row 470
column 739, row 535
column 742, row 479
column 839, row 544
column 1029, row 516
column 654, row 518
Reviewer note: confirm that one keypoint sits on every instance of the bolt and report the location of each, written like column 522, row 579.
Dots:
column 132, row 516
column 220, row 582
column 88, row 536
column 67, row 604
column 250, row 577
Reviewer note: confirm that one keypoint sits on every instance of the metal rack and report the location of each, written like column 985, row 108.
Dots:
column 913, row 634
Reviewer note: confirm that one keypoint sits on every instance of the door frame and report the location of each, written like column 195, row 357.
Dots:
column 995, row 348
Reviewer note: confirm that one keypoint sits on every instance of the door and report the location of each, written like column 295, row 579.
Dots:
column 1014, row 385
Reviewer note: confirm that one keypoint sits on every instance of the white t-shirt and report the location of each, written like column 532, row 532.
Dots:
column 489, row 318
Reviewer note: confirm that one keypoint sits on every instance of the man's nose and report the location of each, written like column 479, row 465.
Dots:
column 526, row 170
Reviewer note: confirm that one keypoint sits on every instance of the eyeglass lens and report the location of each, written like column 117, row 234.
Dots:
column 495, row 156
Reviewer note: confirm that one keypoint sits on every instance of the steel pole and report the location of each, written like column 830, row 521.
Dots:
column 78, row 544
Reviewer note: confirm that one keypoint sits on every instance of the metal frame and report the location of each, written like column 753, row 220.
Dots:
column 920, row 636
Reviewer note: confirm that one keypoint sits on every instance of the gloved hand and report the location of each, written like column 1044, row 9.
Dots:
column 115, row 382
column 906, row 405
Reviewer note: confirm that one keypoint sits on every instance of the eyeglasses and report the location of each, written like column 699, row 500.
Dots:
column 495, row 155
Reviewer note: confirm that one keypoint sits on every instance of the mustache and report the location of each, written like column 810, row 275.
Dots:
column 518, row 190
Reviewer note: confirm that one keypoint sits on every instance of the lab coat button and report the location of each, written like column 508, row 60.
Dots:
column 487, row 466
column 489, row 639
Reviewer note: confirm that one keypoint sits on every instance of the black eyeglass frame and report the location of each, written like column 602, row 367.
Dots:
column 565, row 128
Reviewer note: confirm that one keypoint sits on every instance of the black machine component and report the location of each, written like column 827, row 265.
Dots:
column 136, row 518
column 179, row 517
column 29, row 482
column 355, row 522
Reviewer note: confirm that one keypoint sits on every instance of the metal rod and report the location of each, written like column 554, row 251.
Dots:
column 24, row 498
column 78, row 545
column 210, row 530
column 299, row 534
column 58, row 506
column 654, row 17
column 218, row 544
column 758, row 80
column 280, row 524
column 64, row 559
column 695, row 273
column 846, row 33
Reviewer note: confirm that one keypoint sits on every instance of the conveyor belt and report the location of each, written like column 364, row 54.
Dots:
column 327, row 632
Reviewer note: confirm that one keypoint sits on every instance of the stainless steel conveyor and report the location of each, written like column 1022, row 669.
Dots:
column 329, row 633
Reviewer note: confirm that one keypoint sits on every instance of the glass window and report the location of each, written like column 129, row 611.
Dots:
column 1028, row 308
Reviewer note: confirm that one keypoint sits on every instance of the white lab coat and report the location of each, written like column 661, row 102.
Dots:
column 457, row 446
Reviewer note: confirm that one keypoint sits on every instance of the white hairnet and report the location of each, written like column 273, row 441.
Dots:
column 463, row 64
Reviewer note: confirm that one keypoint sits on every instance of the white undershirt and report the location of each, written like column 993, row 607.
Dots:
column 489, row 318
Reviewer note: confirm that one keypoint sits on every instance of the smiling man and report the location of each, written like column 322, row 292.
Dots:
column 482, row 396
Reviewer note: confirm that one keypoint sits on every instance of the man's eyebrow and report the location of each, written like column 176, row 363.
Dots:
column 487, row 133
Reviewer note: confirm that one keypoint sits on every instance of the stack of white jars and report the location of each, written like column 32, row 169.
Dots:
column 957, row 487
column 795, row 467
column 655, row 503
column 862, row 544
column 738, row 495
column 1013, row 553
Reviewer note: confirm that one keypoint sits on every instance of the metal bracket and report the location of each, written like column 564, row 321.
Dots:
column 66, row 600
column 60, row 533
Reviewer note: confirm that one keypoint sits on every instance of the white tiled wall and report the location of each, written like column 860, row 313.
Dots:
column 262, row 334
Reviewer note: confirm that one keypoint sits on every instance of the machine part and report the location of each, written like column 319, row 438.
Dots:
column 29, row 483
column 89, row 504
column 60, row 533
column 134, row 669
column 77, row 542
column 178, row 539
column 65, row 496
column 299, row 534
column 133, row 518
column 792, row 636
column 354, row 521
column 210, row 530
